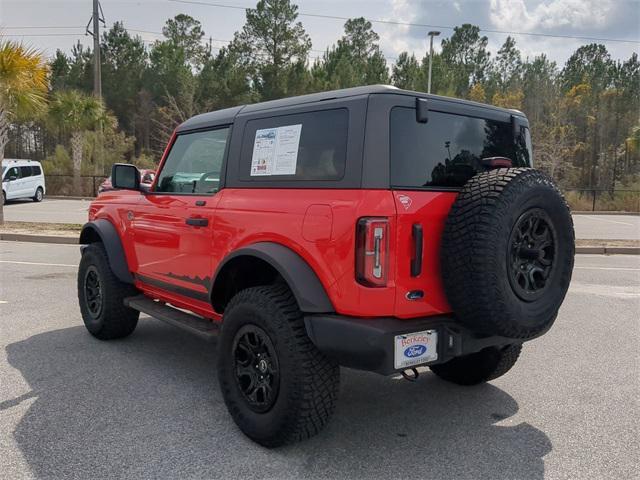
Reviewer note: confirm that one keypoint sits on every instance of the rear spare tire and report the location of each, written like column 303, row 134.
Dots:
column 507, row 253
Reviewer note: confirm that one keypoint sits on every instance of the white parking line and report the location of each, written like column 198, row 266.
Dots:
column 38, row 263
column 605, row 220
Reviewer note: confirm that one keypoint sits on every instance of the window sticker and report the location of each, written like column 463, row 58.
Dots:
column 275, row 151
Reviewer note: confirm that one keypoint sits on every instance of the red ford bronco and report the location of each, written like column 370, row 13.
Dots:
column 371, row 228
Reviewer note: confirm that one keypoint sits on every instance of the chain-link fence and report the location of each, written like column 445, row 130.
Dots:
column 63, row 185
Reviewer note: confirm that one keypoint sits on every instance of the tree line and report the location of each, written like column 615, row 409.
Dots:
column 584, row 114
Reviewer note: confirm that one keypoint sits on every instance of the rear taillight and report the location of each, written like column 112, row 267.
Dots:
column 372, row 251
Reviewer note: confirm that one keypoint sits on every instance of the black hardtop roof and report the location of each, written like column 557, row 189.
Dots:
column 227, row 115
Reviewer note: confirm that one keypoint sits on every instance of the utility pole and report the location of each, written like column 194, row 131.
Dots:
column 95, row 19
column 431, row 35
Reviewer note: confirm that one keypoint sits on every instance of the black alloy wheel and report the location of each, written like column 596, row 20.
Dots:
column 256, row 367
column 531, row 254
column 93, row 292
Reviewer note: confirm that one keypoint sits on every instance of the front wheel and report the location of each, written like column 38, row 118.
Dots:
column 101, row 296
column 278, row 387
column 39, row 196
column 479, row 367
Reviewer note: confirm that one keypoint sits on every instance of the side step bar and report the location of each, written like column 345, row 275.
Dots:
column 192, row 323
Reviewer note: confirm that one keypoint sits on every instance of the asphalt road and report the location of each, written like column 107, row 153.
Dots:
column 47, row 211
column 607, row 227
column 603, row 227
column 149, row 406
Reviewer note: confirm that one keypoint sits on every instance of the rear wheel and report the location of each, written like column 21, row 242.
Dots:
column 39, row 196
column 278, row 387
column 485, row 365
column 101, row 296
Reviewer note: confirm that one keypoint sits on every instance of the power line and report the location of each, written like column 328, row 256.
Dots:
column 40, row 26
column 419, row 25
column 47, row 34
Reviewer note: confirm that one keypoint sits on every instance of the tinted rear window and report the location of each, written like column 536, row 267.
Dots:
column 25, row 172
column 448, row 150
column 35, row 170
column 316, row 144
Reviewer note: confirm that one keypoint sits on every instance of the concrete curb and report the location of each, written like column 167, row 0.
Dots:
column 23, row 237
column 62, row 197
column 602, row 250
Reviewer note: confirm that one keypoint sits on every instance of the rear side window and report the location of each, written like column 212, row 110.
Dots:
column 194, row 163
column 307, row 146
column 25, row 172
column 447, row 151
column 35, row 170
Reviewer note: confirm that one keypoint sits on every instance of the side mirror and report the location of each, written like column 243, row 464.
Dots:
column 12, row 178
column 125, row 176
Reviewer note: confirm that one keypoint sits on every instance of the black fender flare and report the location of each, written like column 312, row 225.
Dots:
column 300, row 277
column 109, row 237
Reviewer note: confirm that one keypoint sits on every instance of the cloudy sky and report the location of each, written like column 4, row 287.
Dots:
column 52, row 24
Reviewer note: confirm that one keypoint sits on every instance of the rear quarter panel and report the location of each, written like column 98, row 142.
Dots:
column 300, row 220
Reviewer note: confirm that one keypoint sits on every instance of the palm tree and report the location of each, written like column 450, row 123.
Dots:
column 74, row 112
column 23, row 88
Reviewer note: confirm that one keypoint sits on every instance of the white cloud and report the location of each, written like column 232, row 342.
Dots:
column 396, row 38
column 576, row 14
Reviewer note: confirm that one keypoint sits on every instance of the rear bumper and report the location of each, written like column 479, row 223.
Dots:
column 368, row 344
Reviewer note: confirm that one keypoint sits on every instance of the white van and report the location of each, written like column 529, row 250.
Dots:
column 22, row 179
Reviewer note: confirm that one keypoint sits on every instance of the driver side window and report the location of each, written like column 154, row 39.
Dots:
column 14, row 172
column 194, row 163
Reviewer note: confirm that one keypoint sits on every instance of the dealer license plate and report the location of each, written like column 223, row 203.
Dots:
column 414, row 349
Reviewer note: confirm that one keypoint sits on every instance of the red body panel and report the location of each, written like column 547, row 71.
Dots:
column 429, row 209
column 317, row 224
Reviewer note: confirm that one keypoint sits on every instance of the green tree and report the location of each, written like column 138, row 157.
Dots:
column 442, row 76
column 23, row 88
column 406, row 72
column 224, row 82
column 465, row 53
column 185, row 33
column 124, row 62
column 271, row 44
column 74, row 112
column 73, row 71
column 507, row 66
column 355, row 60
column 539, row 85
column 589, row 64
column 168, row 70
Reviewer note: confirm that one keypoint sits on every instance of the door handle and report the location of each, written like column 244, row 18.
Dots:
column 197, row 222
column 416, row 261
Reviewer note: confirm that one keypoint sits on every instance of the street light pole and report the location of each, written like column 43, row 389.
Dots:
column 431, row 35
column 97, row 74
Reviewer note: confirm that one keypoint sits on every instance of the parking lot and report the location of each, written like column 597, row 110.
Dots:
column 50, row 210
column 149, row 406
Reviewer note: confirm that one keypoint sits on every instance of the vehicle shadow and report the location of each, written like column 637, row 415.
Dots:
column 149, row 406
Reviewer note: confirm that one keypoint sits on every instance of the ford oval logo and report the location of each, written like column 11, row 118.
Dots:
column 414, row 351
